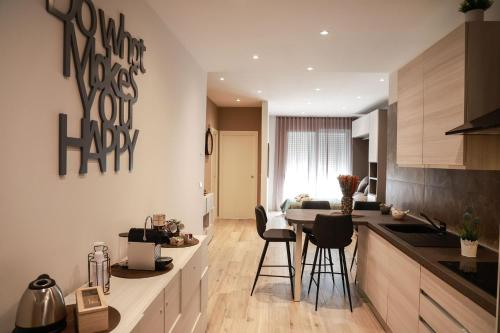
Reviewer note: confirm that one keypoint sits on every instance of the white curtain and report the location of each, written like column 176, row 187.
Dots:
column 311, row 153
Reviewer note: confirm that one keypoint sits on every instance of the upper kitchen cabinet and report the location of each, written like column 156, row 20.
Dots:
column 452, row 82
column 410, row 113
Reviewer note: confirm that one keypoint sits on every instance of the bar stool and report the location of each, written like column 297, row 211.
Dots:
column 310, row 204
column 273, row 236
column 331, row 232
column 362, row 205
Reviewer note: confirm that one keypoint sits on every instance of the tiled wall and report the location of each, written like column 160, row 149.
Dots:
column 443, row 194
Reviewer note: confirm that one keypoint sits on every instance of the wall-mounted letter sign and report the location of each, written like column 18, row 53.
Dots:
column 111, row 85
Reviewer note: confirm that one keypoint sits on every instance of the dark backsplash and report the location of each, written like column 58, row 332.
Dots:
column 443, row 193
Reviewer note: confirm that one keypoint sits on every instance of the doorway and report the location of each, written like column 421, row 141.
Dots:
column 238, row 170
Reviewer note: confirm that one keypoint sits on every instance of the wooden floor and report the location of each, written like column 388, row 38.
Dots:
column 233, row 259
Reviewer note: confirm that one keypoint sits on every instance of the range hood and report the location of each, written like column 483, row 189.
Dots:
column 486, row 124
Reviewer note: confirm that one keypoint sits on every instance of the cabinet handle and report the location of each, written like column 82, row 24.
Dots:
column 166, row 304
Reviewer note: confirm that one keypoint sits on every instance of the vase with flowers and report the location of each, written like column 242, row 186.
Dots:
column 469, row 234
column 348, row 185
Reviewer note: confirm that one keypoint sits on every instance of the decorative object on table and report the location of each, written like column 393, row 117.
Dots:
column 193, row 242
column 209, row 142
column 41, row 308
column 469, row 234
column 98, row 265
column 104, row 73
column 176, row 241
column 385, row 209
column 348, row 185
column 144, row 247
column 474, row 9
column 303, row 197
column 159, row 221
column 91, row 310
column 174, row 227
column 398, row 214
column 114, row 318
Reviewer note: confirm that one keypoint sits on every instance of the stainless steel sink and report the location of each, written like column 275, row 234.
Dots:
column 423, row 235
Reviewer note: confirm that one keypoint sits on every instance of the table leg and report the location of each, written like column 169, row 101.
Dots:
column 298, row 263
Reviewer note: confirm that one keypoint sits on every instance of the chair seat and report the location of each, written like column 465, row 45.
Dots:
column 307, row 230
column 313, row 240
column 279, row 235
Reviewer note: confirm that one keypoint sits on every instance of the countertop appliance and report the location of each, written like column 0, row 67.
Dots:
column 481, row 274
column 144, row 248
column 41, row 308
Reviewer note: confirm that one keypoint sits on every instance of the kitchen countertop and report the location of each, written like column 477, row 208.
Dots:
column 131, row 297
column 429, row 257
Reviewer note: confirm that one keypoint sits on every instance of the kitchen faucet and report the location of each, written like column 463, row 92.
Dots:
column 442, row 226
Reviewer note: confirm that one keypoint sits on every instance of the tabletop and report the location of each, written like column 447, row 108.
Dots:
column 307, row 216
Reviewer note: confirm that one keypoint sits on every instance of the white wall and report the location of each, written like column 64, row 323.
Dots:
column 272, row 154
column 48, row 222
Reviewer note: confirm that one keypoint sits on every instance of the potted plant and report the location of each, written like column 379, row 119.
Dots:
column 469, row 234
column 474, row 9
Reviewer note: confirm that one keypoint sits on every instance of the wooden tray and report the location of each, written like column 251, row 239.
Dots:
column 113, row 319
column 194, row 242
column 125, row 273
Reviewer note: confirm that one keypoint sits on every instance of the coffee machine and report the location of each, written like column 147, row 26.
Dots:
column 144, row 248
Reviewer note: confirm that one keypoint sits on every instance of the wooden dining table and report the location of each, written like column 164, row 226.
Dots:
column 298, row 218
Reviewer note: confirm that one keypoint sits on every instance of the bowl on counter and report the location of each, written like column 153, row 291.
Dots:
column 398, row 214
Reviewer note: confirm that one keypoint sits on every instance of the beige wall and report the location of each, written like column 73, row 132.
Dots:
column 243, row 119
column 49, row 222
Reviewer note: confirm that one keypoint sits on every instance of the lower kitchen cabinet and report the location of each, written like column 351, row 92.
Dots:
column 391, row 281
column 182, row 306
column 153, row 318
column 445, row 310
column 410, row 299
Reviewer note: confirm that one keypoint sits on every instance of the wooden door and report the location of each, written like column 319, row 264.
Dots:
column 410, row 113
column 238, row 174
column 444, row 100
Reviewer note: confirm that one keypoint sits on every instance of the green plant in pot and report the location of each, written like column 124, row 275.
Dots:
column 474, row 9
column 469, row 234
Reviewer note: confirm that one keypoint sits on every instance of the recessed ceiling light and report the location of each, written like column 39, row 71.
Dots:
column 221, row 78
column 324, row 33
column 310, row 68
column 358, row 97
column 344, row 108
column 318, row 89
column 302, row 113
column 381, row 79
column 259, row 91
column 309, row 102
column 255, row 57
column 238, row 100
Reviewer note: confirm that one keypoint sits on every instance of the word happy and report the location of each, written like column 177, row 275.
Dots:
column 111, row 85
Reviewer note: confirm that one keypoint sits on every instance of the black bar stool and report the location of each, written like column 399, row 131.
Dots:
column 310, row 204
column 362, row 205
column 277, row 236
column 331, row 232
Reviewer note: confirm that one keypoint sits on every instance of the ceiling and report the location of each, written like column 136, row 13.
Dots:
column 367, row 40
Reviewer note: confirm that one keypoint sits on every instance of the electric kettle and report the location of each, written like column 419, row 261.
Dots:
column 41, row 308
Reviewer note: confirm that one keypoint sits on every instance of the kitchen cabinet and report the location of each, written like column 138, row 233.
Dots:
column 410, row 119
column 391, row 280
column 372, row 269
column 403, row 291
column 453, row 81
column 444, row 93
column 173, row 303
column 445, row 310
column 153, row 318
column 410, row 299
column 373, row 126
